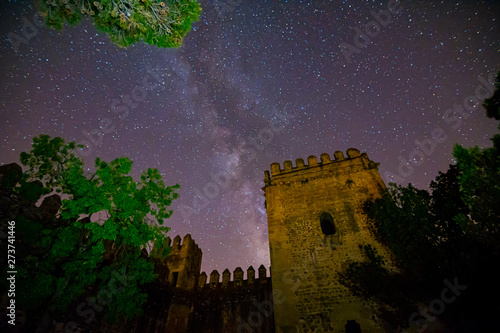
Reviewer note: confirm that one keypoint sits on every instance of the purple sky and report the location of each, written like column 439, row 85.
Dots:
column 256, row 83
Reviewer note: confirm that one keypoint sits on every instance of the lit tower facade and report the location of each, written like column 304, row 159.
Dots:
column 316, row 227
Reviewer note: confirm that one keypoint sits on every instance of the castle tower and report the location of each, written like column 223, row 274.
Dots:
column 183, row 264
column 181, row 270
column 316, row 227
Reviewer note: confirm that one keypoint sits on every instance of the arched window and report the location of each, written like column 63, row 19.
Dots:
column 327, row 225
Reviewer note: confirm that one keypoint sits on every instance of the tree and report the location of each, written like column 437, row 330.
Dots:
column 480, row 179
column 368, row 278
column 492, row 104
column 480, row 187
column 450, row 232
column 103, row 226
column 454, row 231
column 447, row 202
column 402, row 220
column 155, row 22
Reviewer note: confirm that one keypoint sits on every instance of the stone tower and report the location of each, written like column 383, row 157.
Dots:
column 184, row 263
column 180, row 269
column 316, row 227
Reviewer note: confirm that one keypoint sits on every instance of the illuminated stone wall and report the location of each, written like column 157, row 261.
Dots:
column 316, row 228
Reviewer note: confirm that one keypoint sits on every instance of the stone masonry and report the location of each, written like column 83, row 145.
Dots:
column 316, row 228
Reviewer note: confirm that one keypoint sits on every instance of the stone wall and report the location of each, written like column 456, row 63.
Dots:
column 235, row 306
column 180, row 300
column 183, row 262
column 316, row 228
column 304, row 260
column 229, row 306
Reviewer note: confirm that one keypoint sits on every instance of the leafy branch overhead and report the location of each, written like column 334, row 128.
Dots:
column 161, row 23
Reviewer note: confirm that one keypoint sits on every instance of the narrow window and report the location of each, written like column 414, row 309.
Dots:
column 327, row 225
column 175, row 276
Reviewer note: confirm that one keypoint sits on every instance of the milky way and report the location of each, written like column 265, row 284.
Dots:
column 256, row 83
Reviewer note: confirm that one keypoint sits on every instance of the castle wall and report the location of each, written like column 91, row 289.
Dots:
column 215, row 306
column 307, row 252
column 219, row 303
column 235, row 305
column 305, row 261
column 183, row 262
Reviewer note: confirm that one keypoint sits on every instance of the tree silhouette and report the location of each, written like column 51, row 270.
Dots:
column 451, row 231
column 492, row 104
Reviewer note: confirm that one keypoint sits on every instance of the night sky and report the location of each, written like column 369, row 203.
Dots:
column 256, row 83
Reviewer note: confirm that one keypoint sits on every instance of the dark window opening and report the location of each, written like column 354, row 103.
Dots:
column 352, row 327
column 175, row 276
column 327, row 225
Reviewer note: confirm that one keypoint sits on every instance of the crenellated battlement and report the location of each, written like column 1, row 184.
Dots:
column 354, row 159
column 215, row 282
column 182, row 265
column 316, row 228
column 181, row 268
column 188, row 245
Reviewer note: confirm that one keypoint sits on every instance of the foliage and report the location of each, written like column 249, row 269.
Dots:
column 480, row 187
column 366, row 278
column 104, row 224
column 47, row 160
column 371, row 280
column 480, row 181
column 401, row 219
column 447, row 203
column 452, row 231
column 492, row 104
column 156, row 22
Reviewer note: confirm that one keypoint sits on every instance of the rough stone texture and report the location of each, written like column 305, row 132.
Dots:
column 316, row 228
column 184, row 263
column 235, row 306
column 304, row 260
column 239, row 306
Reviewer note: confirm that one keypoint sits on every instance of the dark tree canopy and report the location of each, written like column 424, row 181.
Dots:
column 492, row 104
column 451, row 231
